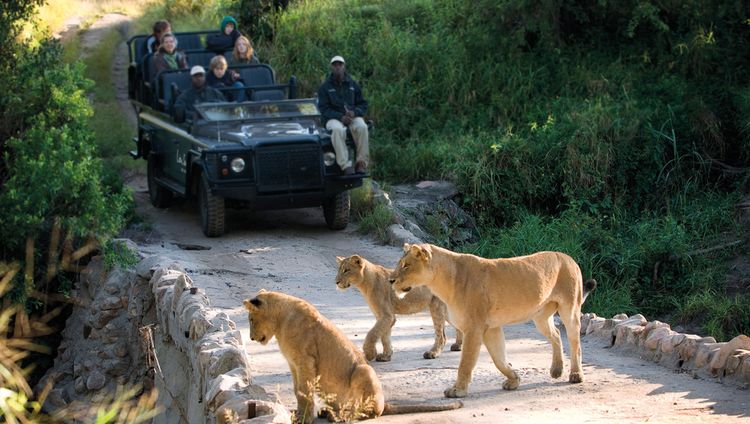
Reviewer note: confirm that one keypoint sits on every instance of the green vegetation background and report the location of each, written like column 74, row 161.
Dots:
column 615, row 131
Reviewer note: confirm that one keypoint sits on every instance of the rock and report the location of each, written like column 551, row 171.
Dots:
column 398, row 235
column 241, row 406
column 225, row 360
column 719, row 360
column 734, row 361
column 80, row 385
column 120, row 350
column 705, row 352
column 146, row 267
column 109, row 303
column 95, row 381
column 55, row 400
column 657, row 336
column 226, row 385
column 181, row 284
column 595, row 325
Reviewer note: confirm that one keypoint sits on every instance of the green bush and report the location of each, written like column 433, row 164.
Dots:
column 52, row 173
column 615, row 131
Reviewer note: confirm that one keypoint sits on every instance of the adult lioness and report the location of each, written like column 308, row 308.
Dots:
column 321, row 358
column 372, row 281
column 483, row 295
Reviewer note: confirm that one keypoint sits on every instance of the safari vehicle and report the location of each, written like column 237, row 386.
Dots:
column 270, row 152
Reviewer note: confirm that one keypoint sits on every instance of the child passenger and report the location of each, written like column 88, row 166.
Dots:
column 243, row 53
column 224, row 41
column 220, row 77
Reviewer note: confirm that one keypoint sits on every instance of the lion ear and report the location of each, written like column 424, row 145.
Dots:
column 407, row 246
column 357, row 259
column 251, row 304
column 339, row 259
column 421, row 252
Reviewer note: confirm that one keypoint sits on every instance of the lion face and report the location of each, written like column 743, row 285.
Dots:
column 351, row 272
column 413, row 269
column 261, row 323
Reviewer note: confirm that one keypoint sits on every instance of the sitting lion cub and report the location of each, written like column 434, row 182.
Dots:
column 372, row 282
column 483, row 295
column 321, row 358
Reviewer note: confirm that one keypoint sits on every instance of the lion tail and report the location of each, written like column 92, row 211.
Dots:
column 588, row 286
column 391, row 409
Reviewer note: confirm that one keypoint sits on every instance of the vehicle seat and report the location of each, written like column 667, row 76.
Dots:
column 200, row 57
column 255, row 75
column 268, row 94
column 180, row 79
column 189, row 41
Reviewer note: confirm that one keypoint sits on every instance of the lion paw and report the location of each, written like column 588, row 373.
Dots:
column 455, row 392
column 382, row 357
column 556, row 371
column 456, row 347
column 511, row 384
column 370, row 352
column 431, row 354
column 576, row 377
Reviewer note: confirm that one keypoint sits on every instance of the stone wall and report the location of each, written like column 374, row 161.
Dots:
column 200, row 365
column 149, row 327
column 655, row 341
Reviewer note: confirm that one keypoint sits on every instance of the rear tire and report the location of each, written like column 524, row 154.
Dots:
column 336, row 211
column 160, row 197
column 212, row 211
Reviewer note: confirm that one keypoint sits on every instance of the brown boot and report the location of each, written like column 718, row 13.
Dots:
column 348, row 170
column 360, row 167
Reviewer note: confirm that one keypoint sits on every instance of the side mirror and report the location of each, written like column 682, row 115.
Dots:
column 179, row 114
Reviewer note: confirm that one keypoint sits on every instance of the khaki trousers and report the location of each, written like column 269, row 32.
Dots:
column 338, row 139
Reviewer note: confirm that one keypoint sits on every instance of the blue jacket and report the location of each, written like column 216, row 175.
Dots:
column 335, row 98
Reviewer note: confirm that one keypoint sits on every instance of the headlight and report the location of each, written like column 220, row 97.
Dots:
column 329, row 158
column 238, row 165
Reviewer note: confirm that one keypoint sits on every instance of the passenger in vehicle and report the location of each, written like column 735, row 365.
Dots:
column 224, row 42
column 342, row 105
column 219, row 77
column 152, row 43
column 243, row 53
column 199, row 92
column 168, row 57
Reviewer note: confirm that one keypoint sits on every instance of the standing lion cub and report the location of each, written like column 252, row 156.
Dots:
column 372, row 281
column 322, row 359
column 483, row 295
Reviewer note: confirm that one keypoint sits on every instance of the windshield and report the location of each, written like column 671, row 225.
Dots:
column 219, row 112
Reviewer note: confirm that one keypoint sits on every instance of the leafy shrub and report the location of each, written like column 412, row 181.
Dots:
column 53, row 180
column 624, row 121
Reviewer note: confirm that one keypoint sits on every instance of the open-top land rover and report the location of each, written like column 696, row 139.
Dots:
column 270, row 152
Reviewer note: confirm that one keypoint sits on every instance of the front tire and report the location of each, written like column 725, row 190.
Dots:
column 212, row 211
column 336, row 211
column 160, row 197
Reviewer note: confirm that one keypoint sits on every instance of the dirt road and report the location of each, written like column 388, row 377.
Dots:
column 293, row 252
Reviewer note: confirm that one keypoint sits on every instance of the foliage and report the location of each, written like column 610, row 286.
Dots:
column 645, row 265
column 626, row 121
column 53, row 186
column 373, row 216
column 117, row 254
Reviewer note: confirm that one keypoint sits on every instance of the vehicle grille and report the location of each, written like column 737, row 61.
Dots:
column 289, row 168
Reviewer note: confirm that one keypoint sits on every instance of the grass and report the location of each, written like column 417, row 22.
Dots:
column 373, row 217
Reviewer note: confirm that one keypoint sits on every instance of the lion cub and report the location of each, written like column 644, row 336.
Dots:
column 321, row 358
column 372, row 281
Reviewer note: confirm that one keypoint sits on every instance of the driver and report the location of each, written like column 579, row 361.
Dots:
column 199, row 92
